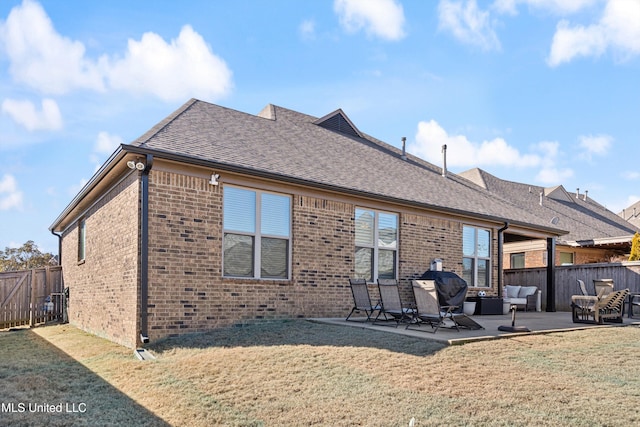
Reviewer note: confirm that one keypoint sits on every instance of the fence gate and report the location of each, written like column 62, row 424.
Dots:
column 31, row 297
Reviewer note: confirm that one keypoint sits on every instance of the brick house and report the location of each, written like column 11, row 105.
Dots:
column 216, row 217
column 594, row 233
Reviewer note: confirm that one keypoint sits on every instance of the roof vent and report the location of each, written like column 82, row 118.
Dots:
column 404, row 151
column 444, row 160
column 339, row 122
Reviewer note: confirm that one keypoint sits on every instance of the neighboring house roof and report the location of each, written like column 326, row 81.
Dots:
column 328, row 153
column 588, row 222
column 632, row 214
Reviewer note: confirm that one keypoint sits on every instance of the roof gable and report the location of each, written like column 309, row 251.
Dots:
column 558, row 193
column 339, row 122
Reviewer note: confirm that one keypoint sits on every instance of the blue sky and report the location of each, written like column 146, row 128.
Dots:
column 545, row 92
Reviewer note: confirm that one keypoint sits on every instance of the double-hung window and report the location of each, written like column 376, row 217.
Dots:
column 257, row 234
column 476, row 256
column 376, row 251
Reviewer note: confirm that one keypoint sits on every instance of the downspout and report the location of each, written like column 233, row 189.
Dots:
column 59, row 236
column 501, row 257
column 144, row 249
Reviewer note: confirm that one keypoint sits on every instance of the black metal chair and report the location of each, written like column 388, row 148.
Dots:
column 362, row 299
column 391, row 303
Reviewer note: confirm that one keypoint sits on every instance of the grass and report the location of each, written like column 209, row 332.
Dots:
column 299, row 373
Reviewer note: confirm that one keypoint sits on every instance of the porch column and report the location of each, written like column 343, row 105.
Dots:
column 551, row 274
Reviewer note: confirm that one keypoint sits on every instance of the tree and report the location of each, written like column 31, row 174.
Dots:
column 26, row 257
column 635, row 248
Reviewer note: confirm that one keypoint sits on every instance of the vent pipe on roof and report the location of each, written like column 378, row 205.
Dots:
column 444, row 160
column 404, row 151
column 577, row 193
column 541, row 196
column 586, row 192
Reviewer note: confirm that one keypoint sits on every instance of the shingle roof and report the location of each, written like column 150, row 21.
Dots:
column 301, row 148
column 632, row 214
column 585, row 220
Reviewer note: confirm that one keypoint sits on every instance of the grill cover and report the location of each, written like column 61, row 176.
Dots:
column 451, row 288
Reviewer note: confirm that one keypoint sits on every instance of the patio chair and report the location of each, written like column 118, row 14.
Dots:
column 391, row 306
column 583, row 288
column 429, row 310
column 603, row 287
column 361, row 299
column 609, row 308
column 582, row 304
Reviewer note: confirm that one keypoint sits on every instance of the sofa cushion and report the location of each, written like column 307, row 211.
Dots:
column 525, row 291
column 511, row 291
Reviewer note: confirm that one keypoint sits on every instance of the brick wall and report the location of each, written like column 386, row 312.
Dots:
column 103, row 289
column 187, row 292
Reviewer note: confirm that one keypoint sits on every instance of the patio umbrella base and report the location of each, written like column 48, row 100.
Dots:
column 513, row 327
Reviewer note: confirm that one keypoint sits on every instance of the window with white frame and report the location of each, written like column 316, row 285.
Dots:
column 257, row 234
column 476, row 256
column 376, row 252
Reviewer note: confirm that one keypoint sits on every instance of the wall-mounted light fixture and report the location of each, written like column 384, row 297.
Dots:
column 214, row 179
column 135, row 165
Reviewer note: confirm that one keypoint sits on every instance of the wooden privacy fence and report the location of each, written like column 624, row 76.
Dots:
column 624, row 275
column 31, row 297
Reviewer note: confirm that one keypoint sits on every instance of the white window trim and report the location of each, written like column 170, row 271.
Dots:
column 257, row 236
column 475, row 256
column 376, row 234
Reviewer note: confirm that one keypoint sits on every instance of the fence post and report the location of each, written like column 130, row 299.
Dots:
column 32, row 299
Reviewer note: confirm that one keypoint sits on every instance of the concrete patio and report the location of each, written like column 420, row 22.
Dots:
column 536, row 322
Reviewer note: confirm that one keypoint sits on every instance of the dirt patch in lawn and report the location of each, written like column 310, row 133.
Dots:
column 303, row 373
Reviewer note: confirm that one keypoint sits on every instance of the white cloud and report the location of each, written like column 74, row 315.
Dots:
column 171, row 71
column 618, row 30
column 41, row 58
column 631, row 175
column 25, row 114
column 107, row 143
column 556, row 6
column 104, row 146
column 598, row 144
column 468, row 24
column 553, row 176
column 381, row 18
column 307, row 29
column 464, row 153
column 10, row 195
